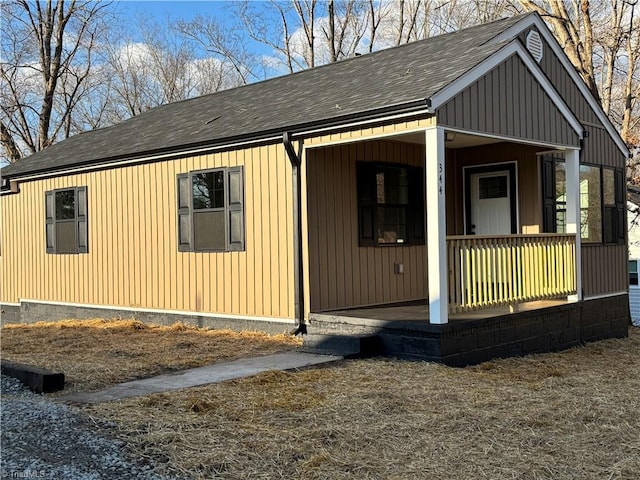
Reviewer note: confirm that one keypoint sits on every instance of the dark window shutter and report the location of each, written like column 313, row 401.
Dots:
column 548, row 194
column 185, row 238
column 620, row 220
column 82, row 231
column 50, row 222
column 416, row 201
column 366, row 179
column 235, row 209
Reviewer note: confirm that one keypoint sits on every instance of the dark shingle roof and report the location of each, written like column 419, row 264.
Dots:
column 326, row 94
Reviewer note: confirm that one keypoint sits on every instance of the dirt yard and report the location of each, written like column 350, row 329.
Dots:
column 568, row 415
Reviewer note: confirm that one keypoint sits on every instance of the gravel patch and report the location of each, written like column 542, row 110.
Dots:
column 45, row 439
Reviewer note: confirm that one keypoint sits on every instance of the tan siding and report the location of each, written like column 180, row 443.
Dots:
column 342, row 274
column 492, row 105
column 368, row 132
column 604, row 269
column 133, row 259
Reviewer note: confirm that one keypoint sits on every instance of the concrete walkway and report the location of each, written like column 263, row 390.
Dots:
column 218, row 372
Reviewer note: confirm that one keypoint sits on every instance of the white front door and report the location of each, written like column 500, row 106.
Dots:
column 490, row 203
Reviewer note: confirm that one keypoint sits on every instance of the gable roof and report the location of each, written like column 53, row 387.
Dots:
column 391, row 80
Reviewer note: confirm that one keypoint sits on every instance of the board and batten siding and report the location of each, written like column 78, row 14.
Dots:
column 133, row 258
column 528, row 182
column 604, row 269
column 561, row 80
column 508, row 101
column 341, row 273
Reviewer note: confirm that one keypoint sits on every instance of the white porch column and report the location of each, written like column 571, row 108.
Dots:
column 572, row 169
column 436, row 225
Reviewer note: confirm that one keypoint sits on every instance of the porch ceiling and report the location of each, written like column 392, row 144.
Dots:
column 460, row 140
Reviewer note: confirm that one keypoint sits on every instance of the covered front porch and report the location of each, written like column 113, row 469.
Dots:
column 480, row 249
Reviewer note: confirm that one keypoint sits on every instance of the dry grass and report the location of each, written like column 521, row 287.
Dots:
column 569, row 415
column 96, row 353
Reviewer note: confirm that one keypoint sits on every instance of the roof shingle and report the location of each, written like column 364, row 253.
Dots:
column 399, row 75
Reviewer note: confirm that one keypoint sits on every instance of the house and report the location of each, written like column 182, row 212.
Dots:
column 463, row 196
column 633, row 225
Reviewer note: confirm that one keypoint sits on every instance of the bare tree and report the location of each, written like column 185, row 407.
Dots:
column 47, row 53
column 572, row 26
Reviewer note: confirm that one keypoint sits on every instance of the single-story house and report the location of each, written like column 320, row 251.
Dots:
column 470, row 180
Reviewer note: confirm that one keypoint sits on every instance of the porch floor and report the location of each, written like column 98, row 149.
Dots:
column 403, row 330
column 417, row 312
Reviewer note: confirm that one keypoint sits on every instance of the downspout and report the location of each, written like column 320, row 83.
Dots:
column 298, row 277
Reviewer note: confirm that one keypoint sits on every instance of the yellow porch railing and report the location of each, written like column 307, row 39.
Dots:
column 487, row 271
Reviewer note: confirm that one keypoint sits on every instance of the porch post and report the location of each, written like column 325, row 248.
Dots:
column 436, row 225
column 572, row 170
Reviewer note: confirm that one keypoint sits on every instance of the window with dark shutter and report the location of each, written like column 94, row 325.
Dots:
column 613, row 205
column 66, row 226
column 390, row 204
column 211, row 210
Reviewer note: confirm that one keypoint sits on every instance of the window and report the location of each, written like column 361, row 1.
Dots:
column 211, row 210
column 602, row 206
column 493, row 187
column 613, row 206
column 66, row 220
column 561, row 197
column 590, row 204
column 390, row 204
column 633, row 272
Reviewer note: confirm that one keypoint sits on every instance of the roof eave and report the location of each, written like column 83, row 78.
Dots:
column 298, row 130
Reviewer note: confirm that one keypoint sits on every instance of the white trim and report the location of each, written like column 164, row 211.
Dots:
column 524, row 141
column 10, row 304
column 606, row 295
column 573, row 214
column 464, row 191
column 513, row 48
column 308, row 134
column 221, row 316
column 512, row 139
column 368, row 137
column 536, row 20
column 435, row 201
column 120, row 163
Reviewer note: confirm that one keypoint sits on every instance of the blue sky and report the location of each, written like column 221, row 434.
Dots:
column 172, row 8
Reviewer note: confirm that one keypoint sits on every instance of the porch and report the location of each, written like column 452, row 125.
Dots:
column 402, row 331
column 466, row 258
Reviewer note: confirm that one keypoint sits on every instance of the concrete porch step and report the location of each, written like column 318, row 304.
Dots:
column 348, row 346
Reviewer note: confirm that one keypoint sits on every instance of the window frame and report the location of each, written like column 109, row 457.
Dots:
column 612, row 215
column 600, row 223
column 633, row 283
column 233, row 210
column 79, row 220
column 414, row 209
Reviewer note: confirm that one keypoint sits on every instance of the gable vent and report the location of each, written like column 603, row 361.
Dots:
column 534, row 45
